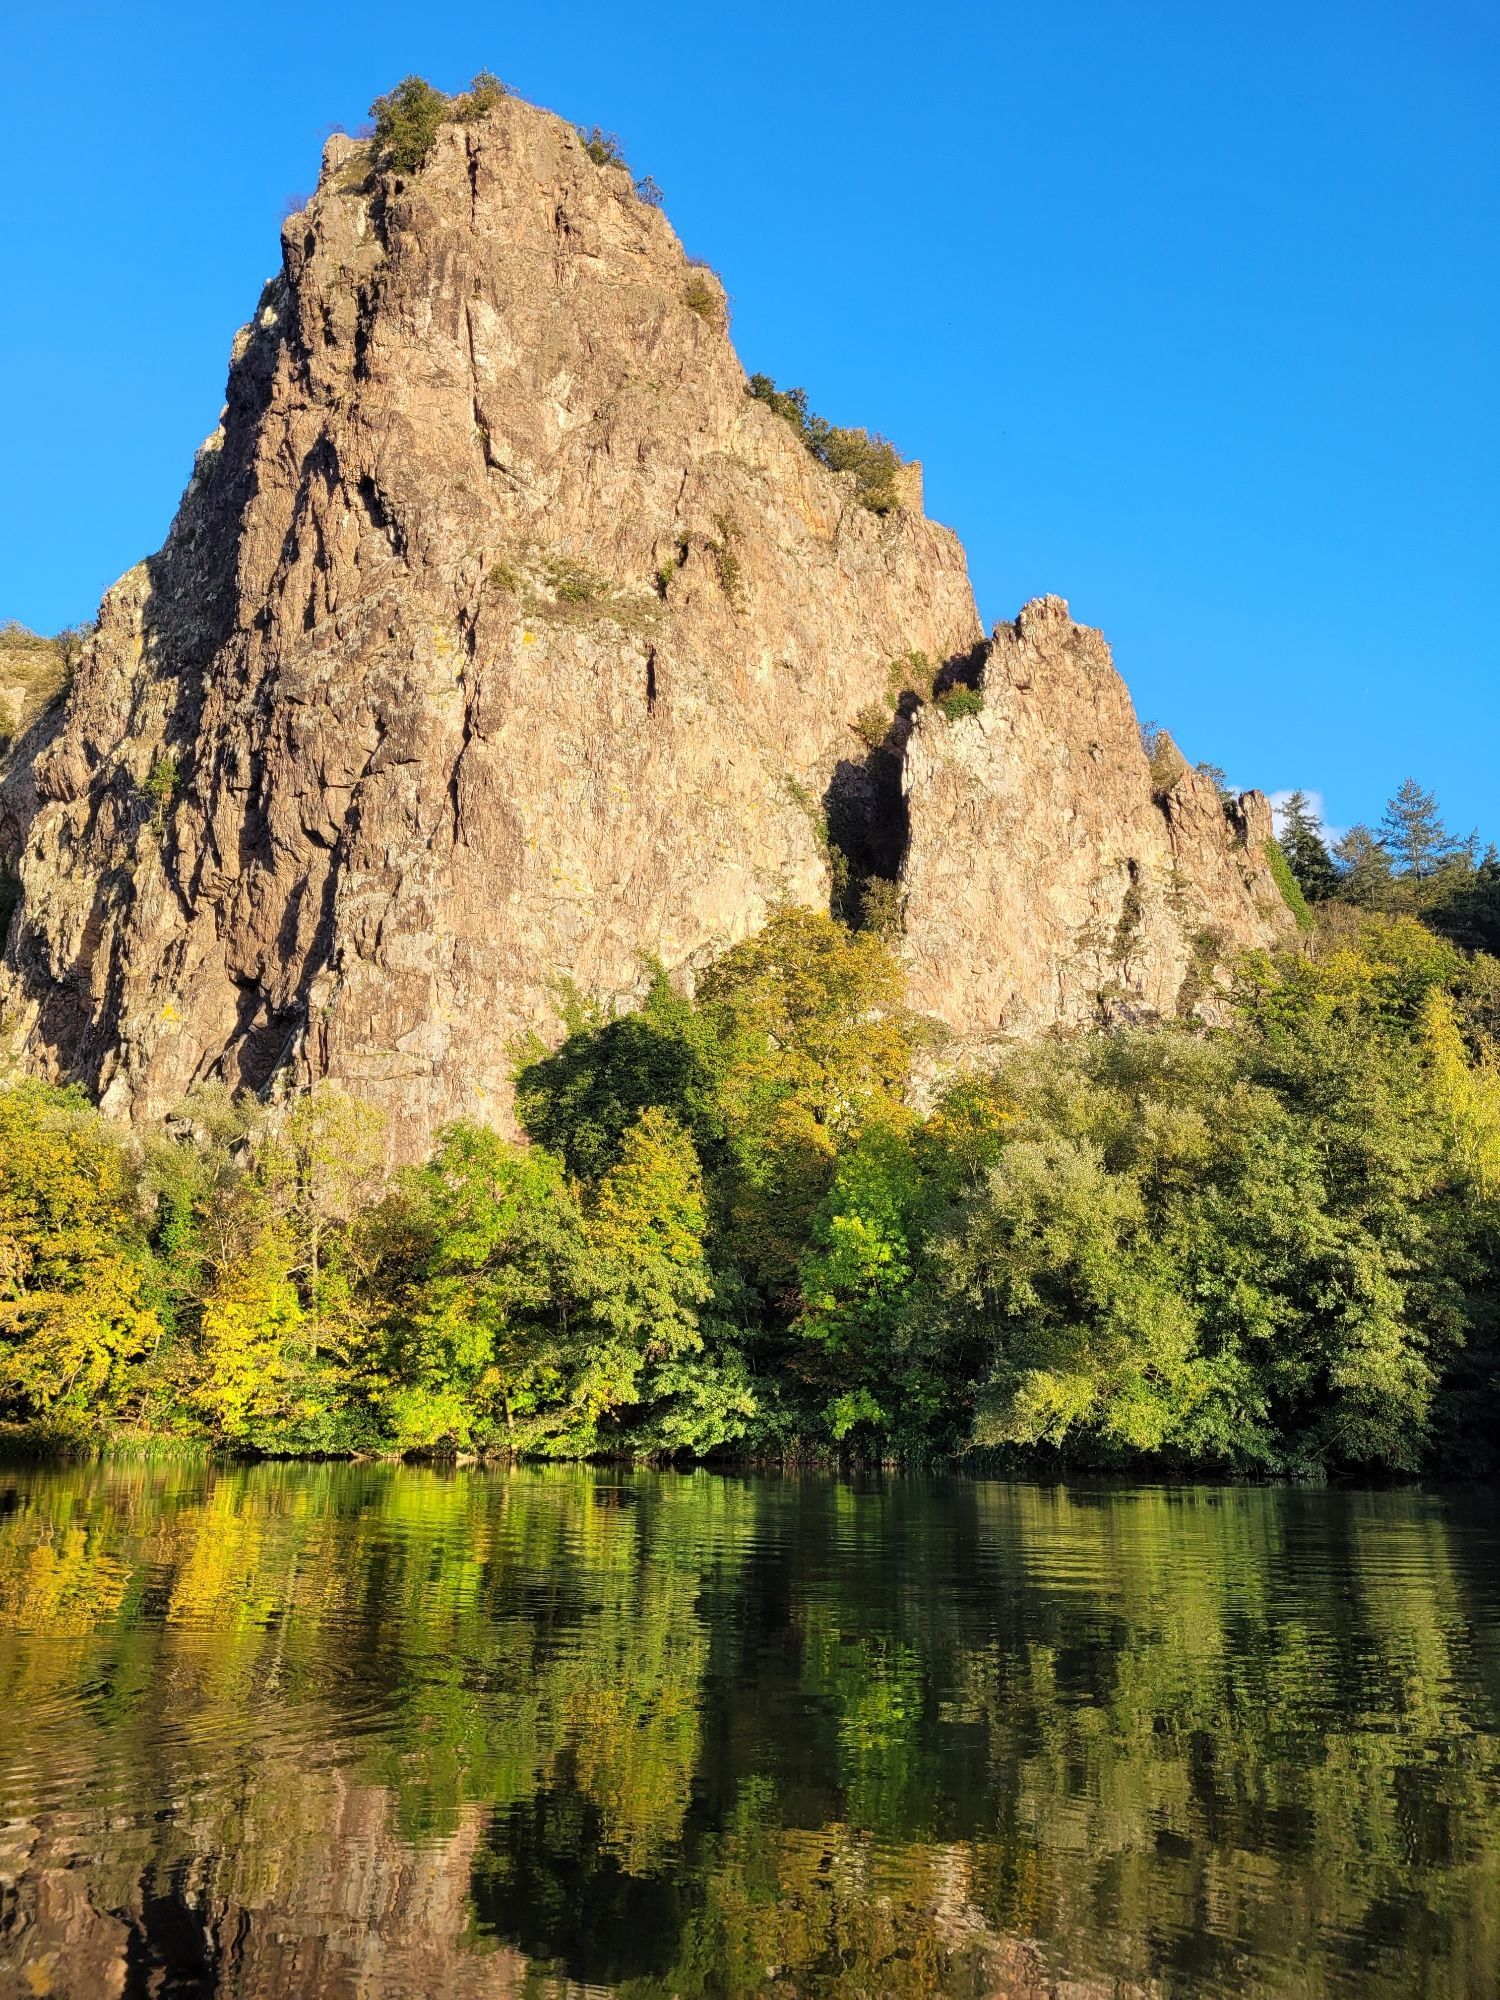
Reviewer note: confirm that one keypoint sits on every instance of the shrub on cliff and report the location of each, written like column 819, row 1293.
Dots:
column 603, row 148
column 481, row 97
column 872, row 459
column 406, row 123
column 961, row 701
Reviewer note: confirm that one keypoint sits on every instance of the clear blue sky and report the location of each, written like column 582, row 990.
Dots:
column 1190, row 309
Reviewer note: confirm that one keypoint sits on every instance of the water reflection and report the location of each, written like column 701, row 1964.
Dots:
column 384, row 1731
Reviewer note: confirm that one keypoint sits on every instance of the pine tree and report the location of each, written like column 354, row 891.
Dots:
column 1307, row 855
column 1364, row 868
column 1413, row 832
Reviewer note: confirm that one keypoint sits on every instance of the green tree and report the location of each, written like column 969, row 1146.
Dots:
column 1366, row 876
column 407, row 120
column 814, row 1042
column 581, row 1099
column 1301, row 840
column 478, row 1268
column 1413, row 834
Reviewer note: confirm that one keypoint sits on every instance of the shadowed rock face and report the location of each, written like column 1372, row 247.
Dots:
column 1053, row 874
column 500, row 639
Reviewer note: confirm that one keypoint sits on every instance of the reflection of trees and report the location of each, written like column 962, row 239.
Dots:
column 702, row 1736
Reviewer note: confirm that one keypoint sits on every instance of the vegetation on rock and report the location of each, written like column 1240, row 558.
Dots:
column 408, row 118
column 872, row 459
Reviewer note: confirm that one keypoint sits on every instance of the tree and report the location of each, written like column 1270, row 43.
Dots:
column 647, row 1247
column 1413, row 833
column 320, row 1162
column 249, row 1327
column 581, row 1099
column 1365, row 875
column 478, row 1269
column 74, row 1311
column 814, row 1043
column 406, row 123
column 1301, row 841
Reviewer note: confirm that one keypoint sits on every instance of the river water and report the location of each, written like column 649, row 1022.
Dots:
column 293, row 1730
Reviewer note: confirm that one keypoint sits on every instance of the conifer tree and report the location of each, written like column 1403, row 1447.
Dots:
column 1413, row 833
column 1365, row 874
column 1301, row 841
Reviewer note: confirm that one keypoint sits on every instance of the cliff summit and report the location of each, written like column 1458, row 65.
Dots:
column 505, row 637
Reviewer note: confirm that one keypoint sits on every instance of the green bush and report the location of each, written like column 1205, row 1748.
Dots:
column 700, row 297
column 161, row 788
column 573, row 582
column 406, row 123
column 909, row 673
column 872, row 725
column 726, row 560
column 872, row 459
column 603, row 148
column 481, row 97
column 961, row 701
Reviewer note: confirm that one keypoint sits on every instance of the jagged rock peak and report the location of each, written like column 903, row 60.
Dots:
column 1056, row 874
column 500, row 638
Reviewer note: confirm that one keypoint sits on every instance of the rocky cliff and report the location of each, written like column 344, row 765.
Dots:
column 502, row 639
column 1055, row 873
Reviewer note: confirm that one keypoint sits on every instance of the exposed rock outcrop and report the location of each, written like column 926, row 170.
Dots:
column 502, row 639
column 1054, row 874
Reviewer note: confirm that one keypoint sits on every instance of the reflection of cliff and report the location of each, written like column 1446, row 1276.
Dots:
column 339, row 1731
column 346, row 1910
column 342, row 1909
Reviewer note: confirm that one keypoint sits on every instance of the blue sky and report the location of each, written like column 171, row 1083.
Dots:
column 1192, row 311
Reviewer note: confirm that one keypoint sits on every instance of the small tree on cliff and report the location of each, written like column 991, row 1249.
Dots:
column 406, row 123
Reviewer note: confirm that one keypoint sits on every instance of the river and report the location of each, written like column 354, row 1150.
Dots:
column 278, row 1731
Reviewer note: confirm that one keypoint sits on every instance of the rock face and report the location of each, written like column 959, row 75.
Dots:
column 501, row 640
column 1053, row 873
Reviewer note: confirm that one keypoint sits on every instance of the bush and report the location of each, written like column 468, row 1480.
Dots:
column 603, row 148
column 909, row 673
column 483, row 94
column 700, row 297
column 406, row 123
column 726, row 560
column 573, row 582
column 872, row 725
column 872, row 459
column 961, row 701
column 161, row 788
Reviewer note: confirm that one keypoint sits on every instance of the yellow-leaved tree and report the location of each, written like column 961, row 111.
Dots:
column 1467, row 1094
column 74, row 1310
